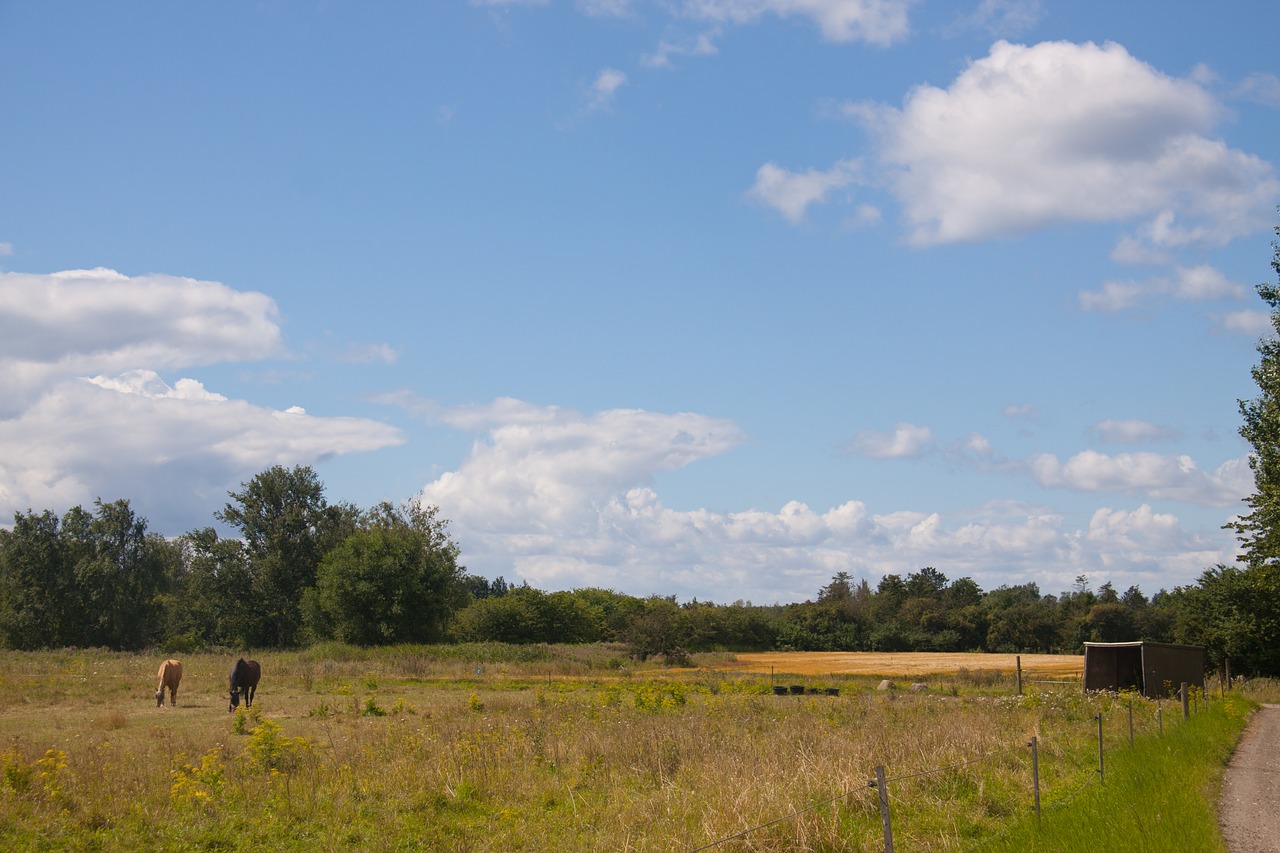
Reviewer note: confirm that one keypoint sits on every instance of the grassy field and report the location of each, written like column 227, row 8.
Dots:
column 494, row 748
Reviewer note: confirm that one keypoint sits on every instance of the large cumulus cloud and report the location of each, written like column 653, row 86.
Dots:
column 566, row 499
column 87, row 414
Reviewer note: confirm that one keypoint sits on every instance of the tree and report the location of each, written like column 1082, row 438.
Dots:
column 839, row 590
column 1110, row 622
column 511, row 618
column 395, row 581
column 658, row 631
column 91, row 579
column 213, row 601
column 926, row 583
column 1249, row 600
column 36, row 582
column 287, row 527
column 120, row 572
column 1259, row 530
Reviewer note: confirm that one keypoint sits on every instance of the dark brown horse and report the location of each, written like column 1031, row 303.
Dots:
column 244, row 682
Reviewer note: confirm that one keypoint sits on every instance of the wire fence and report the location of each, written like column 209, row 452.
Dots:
column 1026, row 807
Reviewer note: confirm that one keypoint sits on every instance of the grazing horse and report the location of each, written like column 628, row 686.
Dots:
column 169, row 675
column 244, row 682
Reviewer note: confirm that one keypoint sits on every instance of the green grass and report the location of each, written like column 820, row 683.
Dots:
column 1159, row 795
column 563, row 748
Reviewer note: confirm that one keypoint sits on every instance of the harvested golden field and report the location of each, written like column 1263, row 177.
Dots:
column 890, row 664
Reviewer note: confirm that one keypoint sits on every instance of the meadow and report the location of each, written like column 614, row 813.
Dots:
column 500, row 748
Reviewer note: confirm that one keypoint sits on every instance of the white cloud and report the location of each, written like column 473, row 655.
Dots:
column 80, row 322
column 1256, row 323
column 701, row 45
column 876, row 21
column 1060, row 132
column 1133, row 251
column 84, row 412
column 1020, row 411
column 1261, row 89
column 6, row 249
column 605, row 87
column 1004, row 17
column 606, row 8
column 1151, row 475
column 1192, row 284
column 865, row 216
column 1114, row 296
column 550, row 469
column 172, row 450
column 903, row 441
column 1132, row 431
column 370, row 353
column 563, row 499
column 791, row 193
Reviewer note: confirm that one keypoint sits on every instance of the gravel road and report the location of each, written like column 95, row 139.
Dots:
column 1250, row 806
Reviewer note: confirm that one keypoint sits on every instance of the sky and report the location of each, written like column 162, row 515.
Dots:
column 704, row 298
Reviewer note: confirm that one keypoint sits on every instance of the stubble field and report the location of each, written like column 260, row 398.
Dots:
column 903, row 664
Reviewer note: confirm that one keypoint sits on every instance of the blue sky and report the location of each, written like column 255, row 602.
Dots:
column 712, row 298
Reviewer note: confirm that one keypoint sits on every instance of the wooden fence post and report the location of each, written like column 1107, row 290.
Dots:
column 1131, row 723
column 1102, row 778
column 884, row 809
column 1035, row 775
column 1186, row 704
column 1018, row 660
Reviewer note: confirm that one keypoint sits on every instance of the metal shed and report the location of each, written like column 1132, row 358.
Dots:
column 1154, row 669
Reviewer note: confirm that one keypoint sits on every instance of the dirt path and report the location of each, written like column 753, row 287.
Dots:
column 1250, row 805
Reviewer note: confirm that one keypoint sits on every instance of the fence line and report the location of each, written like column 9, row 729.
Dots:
column 881, row 781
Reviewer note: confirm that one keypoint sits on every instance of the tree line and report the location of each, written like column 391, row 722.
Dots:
column 301, row 570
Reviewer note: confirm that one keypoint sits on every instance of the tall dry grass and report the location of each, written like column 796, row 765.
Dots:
column 500, row 749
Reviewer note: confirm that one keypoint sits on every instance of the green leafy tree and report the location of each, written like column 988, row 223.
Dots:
column 395, row 581
column 1246, row 603
column 37, row 582
column 212, row 601
column 120, row 573
column 287, row 527
column 926, row 583
column 1110, row 622
column 659, row 630
column 1235, row 613
column 1259, row 530
column 90, row 579
column 512, row 618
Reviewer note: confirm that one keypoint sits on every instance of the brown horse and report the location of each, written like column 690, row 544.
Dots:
column 169, row 675
column 244, row 682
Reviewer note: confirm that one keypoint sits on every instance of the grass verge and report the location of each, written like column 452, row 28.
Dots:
column 1159, row 795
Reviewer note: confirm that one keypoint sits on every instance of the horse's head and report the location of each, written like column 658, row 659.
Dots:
column 235, row 700
column 160, row 698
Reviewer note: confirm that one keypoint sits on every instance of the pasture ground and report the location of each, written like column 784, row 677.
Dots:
column 497, row 748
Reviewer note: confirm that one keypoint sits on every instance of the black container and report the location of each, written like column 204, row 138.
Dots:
column 797, row 690
column 779, row 690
